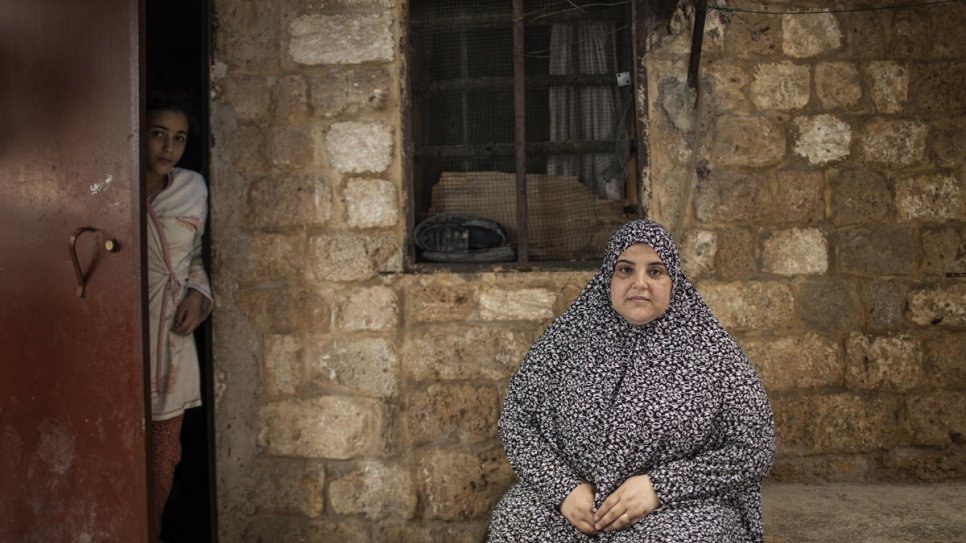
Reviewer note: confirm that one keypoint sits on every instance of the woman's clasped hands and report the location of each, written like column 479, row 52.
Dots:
column 631, row 502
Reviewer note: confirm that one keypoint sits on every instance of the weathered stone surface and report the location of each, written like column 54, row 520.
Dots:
column 823, row 468
column 872, row 251
column 440, row 298
column 930, row 198
column 464, row 351
column 356, row 147
column 860, row 196
column 823, row 138
column 247, row 37
column 498, row 304
column 781, row 86
column 943, row 250
column 810, row 36
column 883, row 303
column 750, row 305
column 463, row 532
column 459, row 485
column 333, row 427
column 290, row 487
column 344, row 256
column 936, row 419
column 835, row 423
column 249, row 155
column 697, row 248
column 796, row 251
column 459, row 413
column 837, row 85
column 282, row 310
column 937, row 86
column 280, row 201
column 800, row 197
column 376, row 490
column 866, row 33
column 946, row 31
column 736, row 253
column 371, row 203
column 265, row 528
column 799, row 362
column 748, row 141
column 753, row 35
column 341, row 39
column 828, row 304
column 728, row 82
column 946, row 360
column 883, row 363
column 273, row 257
column 294, row 147
column 290, row 97
column 361, row 365
column 944, row 306
column 895, row 144
column 732, row 197
column 910, row 38
column 889, row 85
column 367, row 308
column 347, row 90
column 949, row 141
column 282, row 362
column 917, row 465
column 249, row 96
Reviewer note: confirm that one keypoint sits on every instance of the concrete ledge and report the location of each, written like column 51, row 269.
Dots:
column 865, row 513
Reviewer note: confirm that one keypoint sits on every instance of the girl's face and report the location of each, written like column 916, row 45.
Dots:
column 167, row 135
column 640, row 289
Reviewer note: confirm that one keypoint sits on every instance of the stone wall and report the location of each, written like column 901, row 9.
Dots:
column 815, row 184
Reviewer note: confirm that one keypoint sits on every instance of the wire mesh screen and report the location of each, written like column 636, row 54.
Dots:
column 578, row 117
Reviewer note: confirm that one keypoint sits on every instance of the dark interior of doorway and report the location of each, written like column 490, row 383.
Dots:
column 176, row 55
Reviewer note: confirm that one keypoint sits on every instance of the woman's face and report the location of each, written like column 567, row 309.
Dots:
column 640, row 289
column 167, row 135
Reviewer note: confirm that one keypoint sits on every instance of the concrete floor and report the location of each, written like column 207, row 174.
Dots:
column 865, row 513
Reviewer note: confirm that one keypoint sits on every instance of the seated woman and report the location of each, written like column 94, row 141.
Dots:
column 635, row 417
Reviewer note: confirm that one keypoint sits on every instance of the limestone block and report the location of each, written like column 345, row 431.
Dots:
column 780, row 85
column 728, row 82
column 371, row 203
column 367, row 308
column 866, row 33
column 338, row 90
column 535, row 304
column 753, row 35
column 376, row 490
column 292, row 487
column 288, row 529
column 282, row 363
column 293, row 147
column 463, row 532
column 798, row 362
column 910, row 37
column 883, row 302
column 249, row 96
column 860, row 196
column 750, row 305
column 796, row 251
column 697, row 248
column 290, row 97
column 835, row 423
column 736, row 253
column 949, row 141
column 249, row 155
column 810, row 36
column 829, row 305
column 946, row 360
column 895, row 144
column 460, row 413
column 946, row 30
column 882, row 250
column 363, row 365
column 937, row 87
column 442, row 298
column 285, row 200
column 247, row 39
column 877, row 363
column 345, row 256
column 358, row 147
column 930, row 198
column 464, row 351
column 755, row 142
column 459, row 485
column 936, row 419
column 267, row 309
column 334, row 427
column 920, row 464
column 341, row 39
column 944, row 305
column 837, row 85
column 944, row 250
column 731, row 197
column 889, row 85
column 823, row 138
column 800, row 197
column 813, row 469
column 273, row 257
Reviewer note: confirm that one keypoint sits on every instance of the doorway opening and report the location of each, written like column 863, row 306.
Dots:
column 177, row 56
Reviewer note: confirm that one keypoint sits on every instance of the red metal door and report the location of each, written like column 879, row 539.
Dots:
column 72, row 409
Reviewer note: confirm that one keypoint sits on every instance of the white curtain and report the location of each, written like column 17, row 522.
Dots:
column 586, row 113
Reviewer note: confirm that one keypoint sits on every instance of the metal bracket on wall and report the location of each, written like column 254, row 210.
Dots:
column 111, row 246
column 697, row 38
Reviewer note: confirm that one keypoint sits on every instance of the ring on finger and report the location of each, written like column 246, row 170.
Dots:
column 626, row 517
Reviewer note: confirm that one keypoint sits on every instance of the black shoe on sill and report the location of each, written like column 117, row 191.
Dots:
column 451, row 237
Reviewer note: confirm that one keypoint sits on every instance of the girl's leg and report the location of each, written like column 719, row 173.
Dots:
column 166, row 439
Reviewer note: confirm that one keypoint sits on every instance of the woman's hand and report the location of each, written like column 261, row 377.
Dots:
column 578, row 508
column 188, row 315
column 631, row 502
